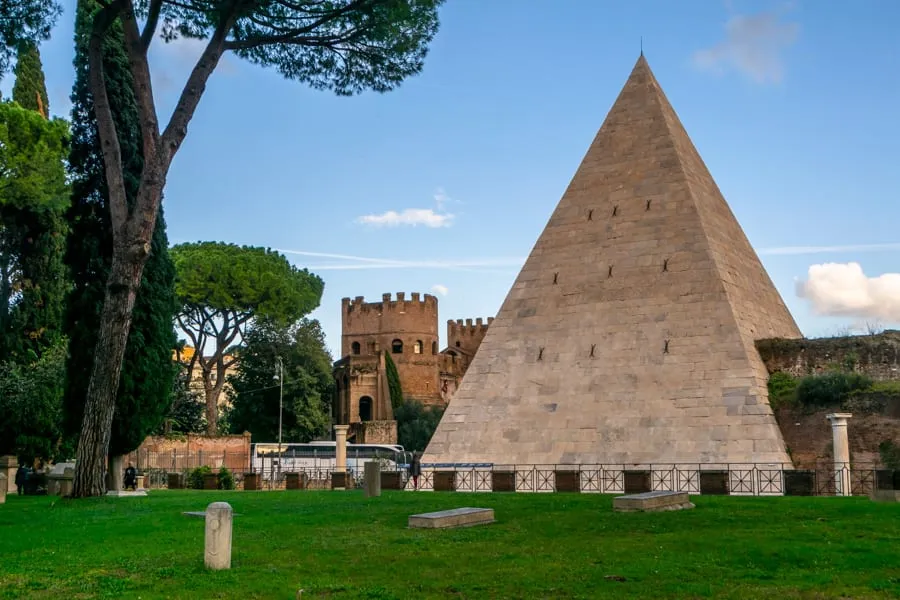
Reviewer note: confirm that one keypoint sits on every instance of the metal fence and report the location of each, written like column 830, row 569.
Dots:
column 735, row 479
column 742, row 479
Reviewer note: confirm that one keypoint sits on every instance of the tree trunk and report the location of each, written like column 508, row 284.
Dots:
column 212, row 410
column 115, row 323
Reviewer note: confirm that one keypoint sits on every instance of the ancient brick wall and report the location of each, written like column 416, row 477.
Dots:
column 467, row 336
column 191, row 451
column 877, row 356
column 375, row 432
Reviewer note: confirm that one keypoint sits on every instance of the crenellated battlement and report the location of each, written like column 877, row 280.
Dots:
column 460, row 327
column 389, row 303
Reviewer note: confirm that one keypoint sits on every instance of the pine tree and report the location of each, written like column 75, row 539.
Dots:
column 148, row 371
column 30, row 90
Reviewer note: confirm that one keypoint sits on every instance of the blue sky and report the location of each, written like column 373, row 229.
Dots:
column 791, row 105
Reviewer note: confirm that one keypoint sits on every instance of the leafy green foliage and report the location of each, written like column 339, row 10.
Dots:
column 187, row 413
column 24, row 20
column 830, row 389
column 226, row 479
column 782, row 389
column 229, row 279
column 416, row 424
column 31, row 405
column 148, row 372
column 308, row 383
column 195, row 477
column 32, row 151
column 393, row 377
column 30, row 90
column 343, row 45
column 222, row 289
column 890, row 454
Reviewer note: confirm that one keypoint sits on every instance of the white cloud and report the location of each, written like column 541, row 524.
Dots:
column 753, row 45
column 836, row 289
column 440, row 289
column 410, row 216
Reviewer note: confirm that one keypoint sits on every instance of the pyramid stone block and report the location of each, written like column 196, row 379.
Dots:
column 628, row 335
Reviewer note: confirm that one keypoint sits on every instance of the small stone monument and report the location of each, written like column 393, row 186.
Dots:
column 3, row 481
column 372, row 478
column 457, row 517
column 217, row 552
column 652, row 502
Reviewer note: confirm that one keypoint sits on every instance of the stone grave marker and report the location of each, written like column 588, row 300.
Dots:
column 372, row 479
column 652, row 502
column 217, row 550
column 457, row 517
column 3, row 482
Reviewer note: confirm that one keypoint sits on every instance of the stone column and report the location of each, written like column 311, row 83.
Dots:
column 340, row 449
column 217, row 553
column 372, row 479
column 841, row 452
column 3, row 481
column 9, row 464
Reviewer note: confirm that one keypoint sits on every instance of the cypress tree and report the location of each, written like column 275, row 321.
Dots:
column 33, row 237
column 393, row 377
column 30, row 90
column 148, row 370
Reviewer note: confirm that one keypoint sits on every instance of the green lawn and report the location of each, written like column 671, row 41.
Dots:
column 342, row 545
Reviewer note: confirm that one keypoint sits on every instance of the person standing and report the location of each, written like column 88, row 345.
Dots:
column 415, row 469
column 21, row 476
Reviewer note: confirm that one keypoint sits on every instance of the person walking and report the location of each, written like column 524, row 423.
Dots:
column 415, row 469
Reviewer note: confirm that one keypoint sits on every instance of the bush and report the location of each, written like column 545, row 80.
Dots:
column 830, row 389
column 195, row 477
column 226, row 479
column 416, row 424
column 890, row 454
column 782, row 389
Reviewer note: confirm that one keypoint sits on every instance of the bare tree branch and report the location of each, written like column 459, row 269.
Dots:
column 150, row 26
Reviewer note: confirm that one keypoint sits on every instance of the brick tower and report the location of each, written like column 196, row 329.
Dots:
column 628, row 336
column 407, row 329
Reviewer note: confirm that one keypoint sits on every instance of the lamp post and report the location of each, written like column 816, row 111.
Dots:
column 280, row 407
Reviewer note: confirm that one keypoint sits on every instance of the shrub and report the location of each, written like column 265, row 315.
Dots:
column 890, row 454
column 782, row 389
column 830, row 389
column 226, row 479
column 195, row 477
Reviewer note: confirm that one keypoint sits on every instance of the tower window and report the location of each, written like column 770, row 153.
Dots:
column 457, row 345
column 434, row 348
column 397, row 347
column 371, row 346
column 365, row 408
column 354, row 347
column 417, row 347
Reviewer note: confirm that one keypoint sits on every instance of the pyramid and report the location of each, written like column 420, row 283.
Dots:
column 628, row 335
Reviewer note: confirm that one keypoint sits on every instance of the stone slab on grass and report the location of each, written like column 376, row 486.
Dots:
column 886, row 495
column 126, row 493
column 457, row 517
column 652, row 502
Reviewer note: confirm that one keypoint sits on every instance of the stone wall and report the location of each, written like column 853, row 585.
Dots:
column 191, row 451
column 877, row 356
column 375, row 432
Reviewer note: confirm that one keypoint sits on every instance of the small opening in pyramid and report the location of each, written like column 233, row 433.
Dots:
column 666, row 265
column 541, row 353
column 590, row 214
column 666, row 347
column 592, row 349
column 615, row 210
column 555, row 277
column 609, row 274
column 648, row 204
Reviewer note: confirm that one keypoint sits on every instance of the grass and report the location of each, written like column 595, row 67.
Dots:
column 341, row 545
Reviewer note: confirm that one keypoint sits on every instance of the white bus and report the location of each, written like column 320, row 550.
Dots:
column 319, row 457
